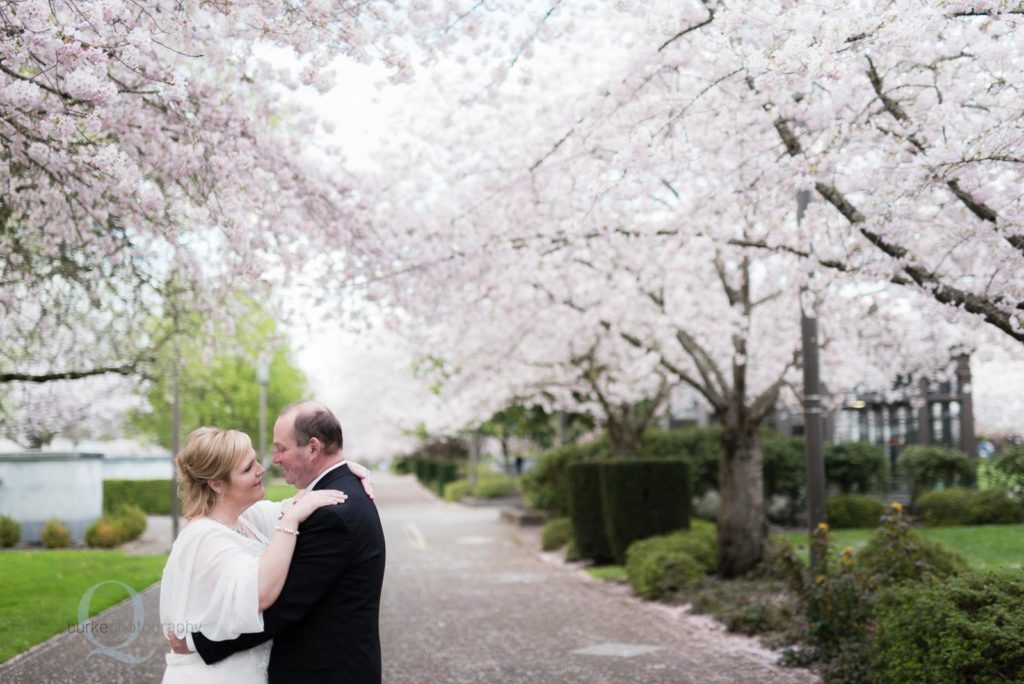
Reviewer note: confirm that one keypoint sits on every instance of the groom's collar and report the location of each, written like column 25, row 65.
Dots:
column 319, row 477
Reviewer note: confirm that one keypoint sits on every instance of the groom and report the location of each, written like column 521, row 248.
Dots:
column 325, row 623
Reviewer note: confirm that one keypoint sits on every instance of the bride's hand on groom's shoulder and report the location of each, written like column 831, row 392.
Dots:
column 363, row 473
column 302, row 506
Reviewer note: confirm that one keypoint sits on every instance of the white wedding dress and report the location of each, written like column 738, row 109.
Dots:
column 211, row 585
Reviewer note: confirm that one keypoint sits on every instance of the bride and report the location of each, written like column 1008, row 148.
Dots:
column 231, row 559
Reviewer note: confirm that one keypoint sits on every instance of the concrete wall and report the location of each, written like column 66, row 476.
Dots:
column 35, row 488
column 140, row 468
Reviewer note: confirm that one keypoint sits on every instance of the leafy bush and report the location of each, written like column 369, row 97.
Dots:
column 897, row 554
column 662, row 565
column 55, row 535
column 493, row 486
column 445, row 472
column 152, row 496
column 856, row 467
column 586, row 510
column 853, row 510
column 402, row 466
column 454, row 491
column 105, row 533
column 132, row 521
column 546, row 486
column 10, row 532
column 968, row 507
column 113, row 530
column 556, row 534
column 927, row 467
column 969, row 629
column 699, row 446
column 784, row 474
column 995, row 507
column 945, row 507
column 706, row 506
column 642, row 498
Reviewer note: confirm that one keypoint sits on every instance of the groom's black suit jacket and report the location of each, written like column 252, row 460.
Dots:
column 325, row 622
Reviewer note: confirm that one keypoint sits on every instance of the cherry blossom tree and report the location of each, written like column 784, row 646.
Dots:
column 626, row 213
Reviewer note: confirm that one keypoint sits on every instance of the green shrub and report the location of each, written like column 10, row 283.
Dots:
column 454, row 491
column 853, row 510
column 55, row 535
column 445, row 472
column 945, row 507
column 643, row 498
column 152, row 496
column 895, row 553
column 968, row 507
column 402, row 466
column 699, row 446
column 927, row 467
column 132, row 521
column 494, row 486
column 969, row 629
column 784, row 465
column 105, row 533
column 10, row 532
column 858, row 467
column 586, row 510
column 995, row 507
column 556, row 534
column 662, row 565
column 546, row 485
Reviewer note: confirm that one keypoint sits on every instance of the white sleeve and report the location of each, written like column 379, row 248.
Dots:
column 211, row 585
column 263, row 515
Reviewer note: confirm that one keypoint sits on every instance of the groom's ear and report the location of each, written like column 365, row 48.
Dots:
column 315, row 446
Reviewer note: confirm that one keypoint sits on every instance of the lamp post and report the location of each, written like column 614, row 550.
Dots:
column 263, row 377
column 813, row 447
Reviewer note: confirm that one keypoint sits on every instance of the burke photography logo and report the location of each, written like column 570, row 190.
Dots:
column 131, row 631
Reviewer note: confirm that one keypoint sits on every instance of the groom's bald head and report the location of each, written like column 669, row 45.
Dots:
column 314, row 420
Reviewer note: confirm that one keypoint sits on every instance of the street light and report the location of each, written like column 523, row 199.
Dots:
column 813, row 448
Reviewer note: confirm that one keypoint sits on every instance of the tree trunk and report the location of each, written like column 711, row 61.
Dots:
column 741, row 523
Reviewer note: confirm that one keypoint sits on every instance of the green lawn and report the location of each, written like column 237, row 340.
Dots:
column 40, row 590
column 609, row 573
column 986, row 547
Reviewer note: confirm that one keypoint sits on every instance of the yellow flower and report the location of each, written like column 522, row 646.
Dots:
column 820, row 579
column 897, row 506
column 848, row 555
column 823, row 527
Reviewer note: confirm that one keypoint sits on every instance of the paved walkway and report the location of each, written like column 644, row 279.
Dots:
column 467, row 598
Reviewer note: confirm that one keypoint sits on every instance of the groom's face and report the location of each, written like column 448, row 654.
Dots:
column 295, row 460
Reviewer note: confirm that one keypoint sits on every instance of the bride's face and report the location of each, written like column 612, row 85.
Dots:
column 246, row 484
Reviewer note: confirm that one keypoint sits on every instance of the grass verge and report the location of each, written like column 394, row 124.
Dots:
column 609, row 573
column 41, row 590
column 986, row 547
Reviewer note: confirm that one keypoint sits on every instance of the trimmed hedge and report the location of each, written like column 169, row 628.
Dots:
column 152, row 496
column 665, row 564
column 556, row 534
column 444, row 472
column 969, row 629
column 586, row 509
column 10, row 531
column 643, row 498
column 699, row 446
column 856, row 467
column 927, row 467
column 847, row 511
column 546, row 485
column 968, row 507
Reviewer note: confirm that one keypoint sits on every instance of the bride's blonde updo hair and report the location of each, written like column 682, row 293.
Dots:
column 209, row 454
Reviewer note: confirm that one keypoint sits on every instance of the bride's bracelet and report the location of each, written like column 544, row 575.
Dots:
column 286, row 530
